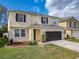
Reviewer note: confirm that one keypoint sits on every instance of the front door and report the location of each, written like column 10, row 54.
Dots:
column 37, row 34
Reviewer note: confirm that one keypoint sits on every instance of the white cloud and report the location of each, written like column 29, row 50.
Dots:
column 63, row 8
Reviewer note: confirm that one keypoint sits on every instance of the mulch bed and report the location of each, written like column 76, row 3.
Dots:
column 13, row 45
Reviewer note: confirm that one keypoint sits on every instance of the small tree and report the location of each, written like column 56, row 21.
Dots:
column 44, row 38
column 4, row 29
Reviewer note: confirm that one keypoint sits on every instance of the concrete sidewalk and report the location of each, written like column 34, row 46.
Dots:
column 66, row 44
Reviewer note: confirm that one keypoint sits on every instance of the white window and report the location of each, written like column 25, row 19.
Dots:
column 74, row 24
column 22, row 32
column 54, row 23
column 19, row 32
column 44, row 20
column 70, row 24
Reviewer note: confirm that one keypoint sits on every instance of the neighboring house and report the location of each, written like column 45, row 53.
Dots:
column 71, row 26
column 29, row 26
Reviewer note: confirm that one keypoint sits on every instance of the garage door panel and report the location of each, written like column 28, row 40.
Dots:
column 53, row 35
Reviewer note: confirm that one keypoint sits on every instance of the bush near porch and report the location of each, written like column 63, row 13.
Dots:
column 3, row 41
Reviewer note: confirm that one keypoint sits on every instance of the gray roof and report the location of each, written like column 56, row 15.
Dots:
column 69, row 18
column 29, row 12
column 73, row 29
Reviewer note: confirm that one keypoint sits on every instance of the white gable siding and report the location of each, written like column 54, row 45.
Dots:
column 75, row 34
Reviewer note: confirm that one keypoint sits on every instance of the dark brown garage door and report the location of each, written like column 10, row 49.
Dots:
column 53, row 35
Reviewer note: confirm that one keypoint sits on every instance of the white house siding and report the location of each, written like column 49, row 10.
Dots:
column 75, row 34
column 53, row 21
column 30, row 19
column 11, row 34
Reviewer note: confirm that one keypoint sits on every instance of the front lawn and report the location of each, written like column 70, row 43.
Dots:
column 73, row 40
column 38, row 52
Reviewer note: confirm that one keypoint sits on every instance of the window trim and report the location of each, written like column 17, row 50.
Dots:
column 23, row 20
column 23, row 33
column 16, row 32
column 75, row 24
column 70, row 24
column 20, row 32
column 44, row 20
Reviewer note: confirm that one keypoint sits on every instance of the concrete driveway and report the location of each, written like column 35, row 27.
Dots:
column 66, row 44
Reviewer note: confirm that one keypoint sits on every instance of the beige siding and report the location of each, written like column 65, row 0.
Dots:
column 63, row 24
column 72, row 23
column 43, row 31
column 68, row 32
column 30, row 19
column 18, row 39
column 53, row 21
column 75, row 34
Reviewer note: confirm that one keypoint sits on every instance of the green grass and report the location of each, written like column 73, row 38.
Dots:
column 73, row 40
column 38, row 52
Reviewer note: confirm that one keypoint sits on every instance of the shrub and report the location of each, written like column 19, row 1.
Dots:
column 68, row 37
column 3, row 41
column 72, row 37
column 32, row 43
column 44, row 38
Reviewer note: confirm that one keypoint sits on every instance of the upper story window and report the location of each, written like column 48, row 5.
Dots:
column 20, row 18
column 74, row 24
column 44, row 20
column 70, row 24
column 54, row 23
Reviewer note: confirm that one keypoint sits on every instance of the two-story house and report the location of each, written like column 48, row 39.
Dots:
column 30, row 26
column 71, row 26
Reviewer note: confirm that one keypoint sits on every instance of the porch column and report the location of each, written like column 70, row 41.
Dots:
column 31, row 37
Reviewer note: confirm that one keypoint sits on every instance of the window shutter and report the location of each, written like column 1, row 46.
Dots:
column 41, row 19
column 16, row 17
column 24, row 18
column 47, row 20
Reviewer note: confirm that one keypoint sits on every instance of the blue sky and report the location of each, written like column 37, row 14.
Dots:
column 26, row 5
column 58, row 8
